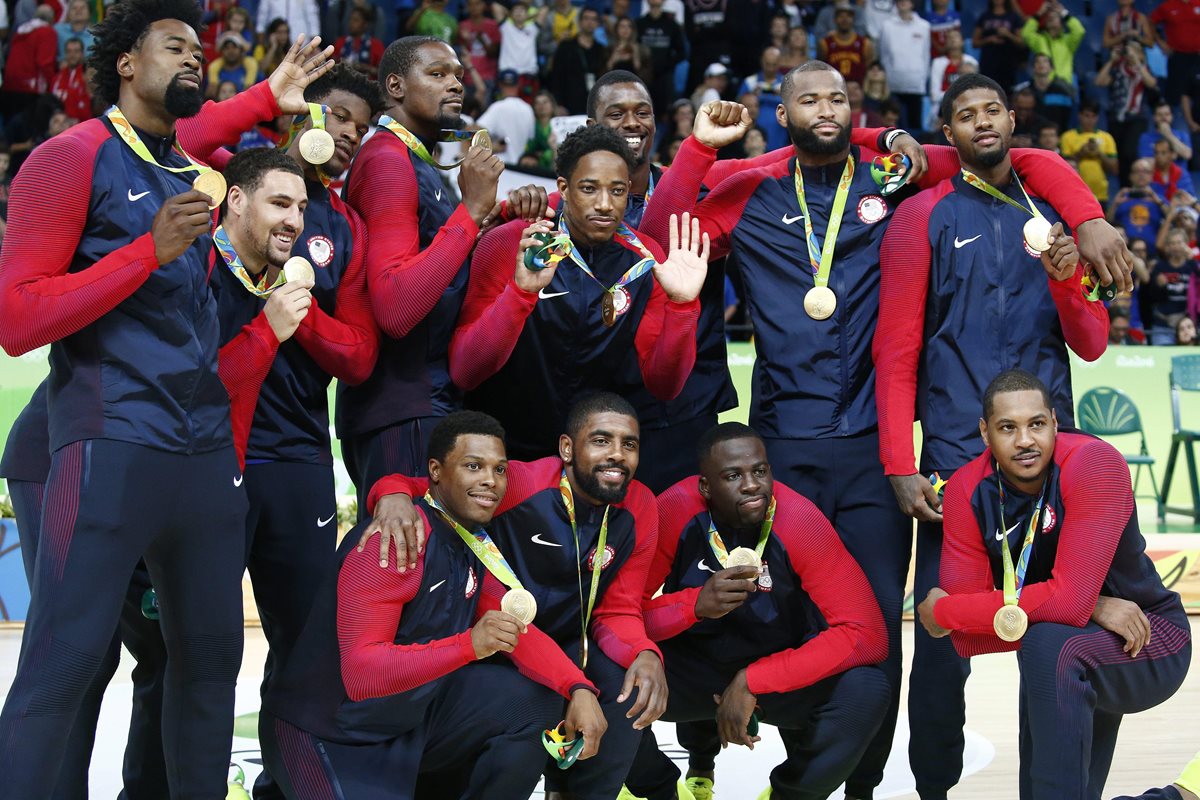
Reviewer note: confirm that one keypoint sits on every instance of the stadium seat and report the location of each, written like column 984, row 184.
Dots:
column 1185, row 377
column 1109, row 412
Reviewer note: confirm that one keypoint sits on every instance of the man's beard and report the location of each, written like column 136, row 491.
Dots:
column 448, row 121
column 991, row 158
column 592, row 487
column 182, row 102
column 804, row 139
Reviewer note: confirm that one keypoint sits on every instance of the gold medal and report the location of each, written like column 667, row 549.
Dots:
column 212, row 183
column 297, row 268
column 1037, row 234
column 743, row 557
column 316, row 146
column 1010, row 623
column 482, row 139
column 520, row 603
column 820, row 302
column 608, row 309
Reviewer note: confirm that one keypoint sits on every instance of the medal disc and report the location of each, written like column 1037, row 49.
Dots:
column 743, row 556
column 621, row 300
column 820, row 302
column 1037, row 232
column 482, row 139
column 212, row 183
column 316, row 146
column 297, row 268
column 1010, row 623
column 520, row 603
column 608, row 308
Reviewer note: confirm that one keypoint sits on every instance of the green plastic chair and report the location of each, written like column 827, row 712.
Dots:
column 1108, row 412
column 1185, row 377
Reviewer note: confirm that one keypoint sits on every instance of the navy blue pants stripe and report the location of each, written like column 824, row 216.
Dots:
column 402, row 448
column 1076, row 685
column 843, row 478
column 109, row 504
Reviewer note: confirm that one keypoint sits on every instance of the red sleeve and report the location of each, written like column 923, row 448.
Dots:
column 345, row 345
column 1097, row 504
column 370, row 606
column 222, row 124
column 40, row 301
column 1048, row 176
column 904, row 264
column 671, row 614
column 833, row 579
column 494, row 311
column 728, row 167
column 617, row 625
column 243, row 364
column 1084, row 323
column 405, row 282
column 536, row 656
column 666, row 339
column 525, row 479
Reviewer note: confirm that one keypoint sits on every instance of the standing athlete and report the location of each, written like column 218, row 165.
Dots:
column 1065, row 582
column 143, row 463
column 962, row 294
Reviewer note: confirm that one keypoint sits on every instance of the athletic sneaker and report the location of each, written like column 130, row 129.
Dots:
column 685, row 793
column 766, row 794
column 701, row 788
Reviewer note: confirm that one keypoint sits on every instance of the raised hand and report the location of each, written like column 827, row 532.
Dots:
column 721, row 123
column 682, row 275
column 302, row 65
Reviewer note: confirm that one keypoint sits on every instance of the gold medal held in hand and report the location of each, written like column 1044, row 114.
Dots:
column 1010, row 623
column 520, row 603
column 297, row 268
column 212, row 183
column 743, row 557
column 1037, row 234
column 316, row 146
column 481, row 138
column 820, row 302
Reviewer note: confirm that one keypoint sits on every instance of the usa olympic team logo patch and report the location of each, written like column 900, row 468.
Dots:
column 872, row 208
column 320, row 249
column 1049, row 519
column 605, row 560
column 472, row 584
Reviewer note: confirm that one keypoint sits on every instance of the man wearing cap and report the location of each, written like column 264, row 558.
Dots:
column 846, row 48
column 233, row 65
column 509, row 120
column 716, row 80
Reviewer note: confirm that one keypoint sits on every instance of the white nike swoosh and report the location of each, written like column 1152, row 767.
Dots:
column 704, row 566
column 321, row 523
column 135, row 197
column 544, row 295
column 238, row 480
column 436, row 585
column 963, row 242
column 1000, row 538
column 789, row 220
column 537, row 539
column 438, row 195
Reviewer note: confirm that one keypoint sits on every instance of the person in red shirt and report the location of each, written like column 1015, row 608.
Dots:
column 358, row 47
column 480, row 35
column 1177, row 31
column 32, row 58
column 1064, row 582
column 70, row 84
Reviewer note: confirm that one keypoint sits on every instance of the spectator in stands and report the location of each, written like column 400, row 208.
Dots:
column 1164, row 130
column 301, row 15
column 1181, row 216
column 1118, row 327
column 1127, row 24
column 844, row 47
column 1177, row 31
column 518, row 48
column 1141, row 278
column 237, row 20
column 1058, row 35
column 878, row 13
column 942, row 21
column 270, row 51
column 577, row 63
column 997, row 36
column 794, row 51
column 510, row 120
column 662, row 35
column 716, row 81
column 1048, row 137
column 946, row 68
column 1029, row 121
column 1169, row 177
column 670, row 147
column 1185, row 332
column 777, row 30
column 767, row 80
column 32, row 59
column 541, row 147
column 431, row 19
column 479, row 34
column 70, row 85
column 755, row 142
column 1137, row 208
column 860, row 115
column 1094, row 151
column 225, row 90
column 683, row 116
column 560, row 23
column 75, row 26
column 1055, row 97
column 904, row 51
column 876, row 91
column 708, row 29
column 1170, row 279
column 1127, row 78
column 233, row 65
column 626, row 53
column 358, row 47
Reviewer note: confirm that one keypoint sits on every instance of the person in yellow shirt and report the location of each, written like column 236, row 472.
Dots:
column 233, row 65
column 1095, row 151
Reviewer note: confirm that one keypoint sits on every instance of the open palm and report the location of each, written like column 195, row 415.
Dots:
column 303, row 64
column 682, row 275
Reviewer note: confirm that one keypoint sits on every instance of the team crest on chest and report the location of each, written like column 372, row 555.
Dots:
column 765, row 584
column 1049, row 519
column 872, row 208
column 605, row 560
column 621, row 300
column 472, row 584
column 320, row 250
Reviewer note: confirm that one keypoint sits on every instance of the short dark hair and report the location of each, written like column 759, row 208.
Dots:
column 461, row 423
column 366, row 12
column 123, row 30
column 247, row 169
column 965, row 83
column 350, row 80
column 276, row 24
column 591, row 139
column 725, row 432
column 596, row 403
column 1013, row 380
column 608, row 79
column 1088, row 104
column 789, row 80
column 1114, row 312
column 401, row 55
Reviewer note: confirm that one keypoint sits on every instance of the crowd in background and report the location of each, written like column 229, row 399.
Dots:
column 1111, row 85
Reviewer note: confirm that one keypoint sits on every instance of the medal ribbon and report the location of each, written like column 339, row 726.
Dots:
column 317, row 112
column 821, row 255
column 985, row 187
column 418, row 147
column 1014, row 579
column 628, row 238
column 564, row 486
column 481, row 545
column 130, row 137
column 718, row 546
column 256, row 286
